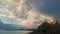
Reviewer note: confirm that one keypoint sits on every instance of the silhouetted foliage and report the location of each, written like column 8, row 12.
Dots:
column 47, row 28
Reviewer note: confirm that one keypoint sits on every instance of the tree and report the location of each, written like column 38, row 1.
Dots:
column 44, row 27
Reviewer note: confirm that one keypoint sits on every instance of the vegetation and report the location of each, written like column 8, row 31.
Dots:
column 47, row 28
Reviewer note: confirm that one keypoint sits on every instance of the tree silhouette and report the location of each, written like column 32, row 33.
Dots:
column 46, row 28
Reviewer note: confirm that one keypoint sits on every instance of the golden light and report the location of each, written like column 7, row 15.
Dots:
column 49, row 18
column 33, row 13
column 11, row 15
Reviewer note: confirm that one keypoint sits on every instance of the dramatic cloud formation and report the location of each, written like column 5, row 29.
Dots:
column 26, row 12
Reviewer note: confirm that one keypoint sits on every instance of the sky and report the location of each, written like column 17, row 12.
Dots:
column 30, row 13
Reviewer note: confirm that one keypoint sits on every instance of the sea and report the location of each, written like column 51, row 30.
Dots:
column 14, row 32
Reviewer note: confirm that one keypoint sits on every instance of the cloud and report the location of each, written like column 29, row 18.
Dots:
column 26, row 12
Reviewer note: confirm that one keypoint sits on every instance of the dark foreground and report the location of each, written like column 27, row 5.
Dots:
column 48, row 28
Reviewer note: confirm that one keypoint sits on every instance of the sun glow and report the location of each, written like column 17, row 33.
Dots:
column 48, row 18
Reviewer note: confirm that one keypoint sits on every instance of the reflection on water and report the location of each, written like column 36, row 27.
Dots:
column 14, row 32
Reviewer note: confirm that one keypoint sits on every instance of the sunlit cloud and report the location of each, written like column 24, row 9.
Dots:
column 24, row 11
column 49, row 18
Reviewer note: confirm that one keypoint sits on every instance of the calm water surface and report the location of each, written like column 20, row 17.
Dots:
column 14, row 32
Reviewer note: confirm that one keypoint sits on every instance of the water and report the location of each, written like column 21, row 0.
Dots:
column 14, row 32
